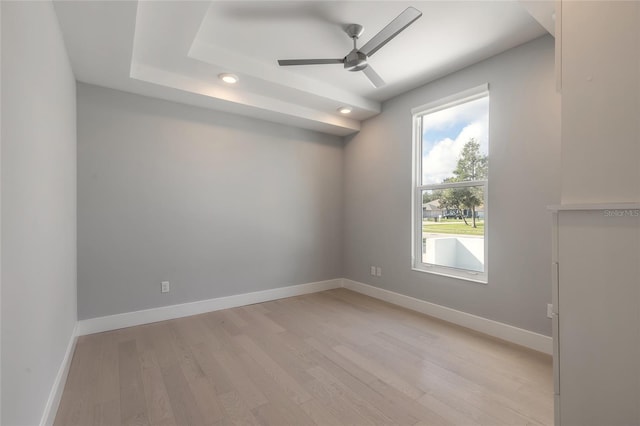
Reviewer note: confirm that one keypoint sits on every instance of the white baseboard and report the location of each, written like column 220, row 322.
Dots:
column 51, row 408
column 529, row 339
column 497, row 329
column 129, row 319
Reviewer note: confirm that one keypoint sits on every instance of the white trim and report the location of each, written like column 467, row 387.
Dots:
column 477, row 277
column 51, row 408
column 129, row 319
column 416, row 194
column 417, row 263
column 464, row 184
column 519, row 336
column 503, row 331
column 452, row 100
column 595, row 206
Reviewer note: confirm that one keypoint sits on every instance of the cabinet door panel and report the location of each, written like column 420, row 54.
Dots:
column 599, row 313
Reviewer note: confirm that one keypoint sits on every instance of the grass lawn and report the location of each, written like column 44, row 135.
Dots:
column 457, row 227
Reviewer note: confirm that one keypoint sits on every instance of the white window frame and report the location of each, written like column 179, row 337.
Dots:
column 416, row 189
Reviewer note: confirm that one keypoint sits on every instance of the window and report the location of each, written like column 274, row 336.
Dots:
column 449, row 190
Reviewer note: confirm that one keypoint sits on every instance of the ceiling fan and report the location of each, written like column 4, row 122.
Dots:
column 356, row 60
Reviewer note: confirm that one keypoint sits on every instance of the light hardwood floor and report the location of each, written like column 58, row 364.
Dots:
column 330, row 358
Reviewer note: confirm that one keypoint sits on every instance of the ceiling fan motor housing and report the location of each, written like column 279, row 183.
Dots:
column 354, row 30
column 355, row 61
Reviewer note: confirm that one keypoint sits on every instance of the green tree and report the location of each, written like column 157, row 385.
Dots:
column 471, row 166
column 428, row 196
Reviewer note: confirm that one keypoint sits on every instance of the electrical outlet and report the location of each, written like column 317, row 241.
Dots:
column 373, row 270
column 165, row 287
column 378, row 271
column 549, row 310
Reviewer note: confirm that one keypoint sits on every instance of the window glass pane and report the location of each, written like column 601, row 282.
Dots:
column 455, row 143
column 453, row 228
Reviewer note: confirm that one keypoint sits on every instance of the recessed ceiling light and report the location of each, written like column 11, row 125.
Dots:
column 228, row 78
column 344, row 110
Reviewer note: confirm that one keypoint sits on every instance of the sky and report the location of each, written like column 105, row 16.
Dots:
column 445, row 132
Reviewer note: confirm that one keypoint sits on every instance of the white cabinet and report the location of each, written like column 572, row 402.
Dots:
column 597, row 247
column 597, row 325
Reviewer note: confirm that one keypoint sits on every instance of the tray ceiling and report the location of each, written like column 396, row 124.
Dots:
column 175, row 50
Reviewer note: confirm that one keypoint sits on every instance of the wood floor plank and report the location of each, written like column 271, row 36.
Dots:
column 295, row 362
column 155, row 392
column 107, row 413
column 281, row 407
column 336, row 404
column 162, row 345
column 219, row 377
column 232, row 322
column 388, row 376
column 206, row 399
column 329, row 358
column 132, row 404
column 182, row 350
column 237, row 411
column 384, row 397
column 505, row 389
column 348, row 365
column 260, row 320
column 84, row 366
column 279, row 375
column 200, row 386
column 239, row 379
column 183, row 403
column 319, row 414
column 356, row 402
column 108, row 387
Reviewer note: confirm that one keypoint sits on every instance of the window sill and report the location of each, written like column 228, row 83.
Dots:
column 462, row 275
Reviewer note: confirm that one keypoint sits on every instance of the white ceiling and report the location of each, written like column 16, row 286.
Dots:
column 175, row 49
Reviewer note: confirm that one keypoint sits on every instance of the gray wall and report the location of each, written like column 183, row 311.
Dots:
column 217, row 204
column 38, row 208
column 524, row 179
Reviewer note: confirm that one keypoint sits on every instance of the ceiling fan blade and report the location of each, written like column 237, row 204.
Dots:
column 373, row 77
column 288, row 62
column 394, row 28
